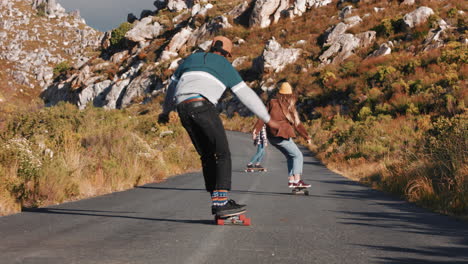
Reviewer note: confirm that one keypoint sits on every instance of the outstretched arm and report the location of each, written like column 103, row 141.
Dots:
column 169, row 103
column 251, row 100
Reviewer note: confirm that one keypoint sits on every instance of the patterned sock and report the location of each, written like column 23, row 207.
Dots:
column 222, row 198
column 214, row 198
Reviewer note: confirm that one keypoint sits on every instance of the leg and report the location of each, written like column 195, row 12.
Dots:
column 293, row 155
column 258, row 155
column 261, row 150
column 209, row 139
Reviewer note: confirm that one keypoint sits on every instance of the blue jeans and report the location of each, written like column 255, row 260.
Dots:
column 257, row 158
column 292, row 153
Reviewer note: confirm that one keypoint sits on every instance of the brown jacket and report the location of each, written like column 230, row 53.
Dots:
column 286, row 130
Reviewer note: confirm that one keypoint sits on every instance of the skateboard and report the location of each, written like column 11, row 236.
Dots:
column 239, row 219
column 300, row 190
column 255, row 170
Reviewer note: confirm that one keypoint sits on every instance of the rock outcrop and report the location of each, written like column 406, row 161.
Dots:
column 145, row 29
column 34, row 38
column 275, row 57
column 344, row 45
column 267, row 12
column 418, row 16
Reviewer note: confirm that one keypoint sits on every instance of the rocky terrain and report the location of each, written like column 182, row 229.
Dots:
column 175, row 28
column 35, row 37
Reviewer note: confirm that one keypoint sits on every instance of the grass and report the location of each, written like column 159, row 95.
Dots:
column 59, row 154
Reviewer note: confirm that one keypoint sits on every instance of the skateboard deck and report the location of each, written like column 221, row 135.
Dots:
column 300, row 190
column 238, row 219
column 255, row 170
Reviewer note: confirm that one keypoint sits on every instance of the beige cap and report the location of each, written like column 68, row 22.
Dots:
column 227, row 44
column 285, row 88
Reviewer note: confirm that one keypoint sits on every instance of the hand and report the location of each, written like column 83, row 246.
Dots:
column 254, row 136
column 309, row 141
column 273, row 124
column 163, row 118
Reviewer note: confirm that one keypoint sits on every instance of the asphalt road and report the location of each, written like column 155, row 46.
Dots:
column 340, row 222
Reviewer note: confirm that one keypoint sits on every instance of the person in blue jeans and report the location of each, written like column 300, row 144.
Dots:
column 261, row 141
column 282, row 109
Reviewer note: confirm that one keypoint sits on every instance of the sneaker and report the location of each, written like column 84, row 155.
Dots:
column 291, row 184
column 259, row 167
column 250, row 166
column 302, row 184
column 230, row 208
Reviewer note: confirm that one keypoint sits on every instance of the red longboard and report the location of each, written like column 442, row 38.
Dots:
column 239, row 219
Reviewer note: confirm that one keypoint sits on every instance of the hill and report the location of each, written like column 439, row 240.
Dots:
column 381, row 84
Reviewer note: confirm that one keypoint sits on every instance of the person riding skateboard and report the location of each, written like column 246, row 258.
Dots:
column 260, row 140
column 196, row 87
column 282, row 108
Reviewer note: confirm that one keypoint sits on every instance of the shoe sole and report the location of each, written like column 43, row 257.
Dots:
column 227, row 213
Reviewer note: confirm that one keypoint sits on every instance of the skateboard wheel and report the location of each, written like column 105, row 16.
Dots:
column 306, row 192
column 247, row 221
column 219, row 221
column 242, row 217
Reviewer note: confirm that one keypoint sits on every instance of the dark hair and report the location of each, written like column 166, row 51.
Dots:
column 218, row 47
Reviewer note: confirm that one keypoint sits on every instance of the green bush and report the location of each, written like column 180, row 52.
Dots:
column 118, row 34
column 62, row 67
column 41, row 10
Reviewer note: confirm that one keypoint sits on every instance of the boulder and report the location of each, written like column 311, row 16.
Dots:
column 352, row 21
column 94, row 93
column 275, row 57
column 300, row 6
column 435, row 37
column 408, row 2
column 208, row 30
column 145, row 83
column 418, row 16
column 239, row 61
column 179, row 39
column 179, row 5
column 346, row 11
column 383, row 50
column 238, row 10
column 345, row 45
column 266, row 12
column 333, row 33
column 145, row 29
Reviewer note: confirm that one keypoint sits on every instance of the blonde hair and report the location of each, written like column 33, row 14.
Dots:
column 288, row 107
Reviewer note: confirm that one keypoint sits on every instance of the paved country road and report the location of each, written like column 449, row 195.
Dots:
column 340, row 222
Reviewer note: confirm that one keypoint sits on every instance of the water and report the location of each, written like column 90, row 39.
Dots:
column 107, row 14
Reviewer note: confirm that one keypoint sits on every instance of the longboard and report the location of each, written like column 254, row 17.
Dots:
column 239, row 219
column 300, row 190
column 255, row 170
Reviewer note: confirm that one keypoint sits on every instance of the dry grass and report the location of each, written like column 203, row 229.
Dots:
column 94, row 152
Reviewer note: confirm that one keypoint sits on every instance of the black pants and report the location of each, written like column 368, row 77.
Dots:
column 202, row 122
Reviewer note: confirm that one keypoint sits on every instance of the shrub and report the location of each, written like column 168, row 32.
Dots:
column 118, row 35
column 41, row 10
column 383, row 73
column 62, row 67
column 364, row 113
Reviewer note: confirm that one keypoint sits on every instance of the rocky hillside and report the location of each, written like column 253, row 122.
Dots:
column 139, row 56
column 38, row 39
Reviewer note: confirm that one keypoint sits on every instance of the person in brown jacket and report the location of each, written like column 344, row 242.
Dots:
column 282, row 108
